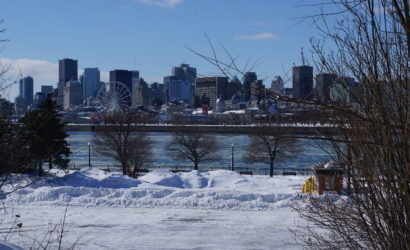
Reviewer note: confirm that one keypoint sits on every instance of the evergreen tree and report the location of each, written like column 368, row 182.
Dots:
column 13, row 152
column 43, row 132
column 6, row 145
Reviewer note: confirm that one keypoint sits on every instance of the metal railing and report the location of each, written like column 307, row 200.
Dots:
column 204, row 168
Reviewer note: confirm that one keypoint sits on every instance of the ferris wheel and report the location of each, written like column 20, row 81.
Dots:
column 113, row 97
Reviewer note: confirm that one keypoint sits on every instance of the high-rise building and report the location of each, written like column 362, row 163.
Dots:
column 20, row 106
column 185, row 72
column 39, row 98
column 257, row 90
column 26, row 89
column 302, row 80
column 277, row 85
column 90, row 80
column 180, row 90
column 180, row 86
column 73, row 94
column 289, row 92
column 157, row 92
column 124, row 77
column 342, row 90
column 167, row 83
column 142, row 94
column 214, row 88
column 67, row 71
column 135, row 75
column 248, row 79
column 47, row 89
column 324, row 83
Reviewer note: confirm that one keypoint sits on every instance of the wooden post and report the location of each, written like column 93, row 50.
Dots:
column 338, row 184
column 321, row 187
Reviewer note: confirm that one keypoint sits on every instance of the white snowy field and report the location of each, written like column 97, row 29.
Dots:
column 161, row 210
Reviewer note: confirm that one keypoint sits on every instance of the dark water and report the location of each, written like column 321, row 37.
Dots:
column 310, row 155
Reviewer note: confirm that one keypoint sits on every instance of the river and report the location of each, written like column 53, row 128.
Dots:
column 311, row 154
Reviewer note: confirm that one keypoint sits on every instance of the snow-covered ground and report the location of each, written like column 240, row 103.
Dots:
column 161, row 210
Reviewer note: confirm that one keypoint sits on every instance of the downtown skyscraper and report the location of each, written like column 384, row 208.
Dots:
column 302, row 80
column 67, row 71
column 26, row 89
column 90, row 81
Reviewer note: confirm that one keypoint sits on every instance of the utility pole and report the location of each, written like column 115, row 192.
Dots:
column 89, row 154
column 233, row 153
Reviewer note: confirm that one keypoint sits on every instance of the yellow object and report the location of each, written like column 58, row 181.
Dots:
column 309, row 186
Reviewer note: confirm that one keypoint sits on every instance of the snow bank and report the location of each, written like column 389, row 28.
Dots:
column 219, row 189
column 94, row 178
column 8, row 246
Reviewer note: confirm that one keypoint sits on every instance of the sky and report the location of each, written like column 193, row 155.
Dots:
column 151, row 36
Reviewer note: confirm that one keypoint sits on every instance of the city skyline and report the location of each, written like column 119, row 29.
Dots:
column 149, row 36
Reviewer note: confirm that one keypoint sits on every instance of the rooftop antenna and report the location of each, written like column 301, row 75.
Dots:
column 135, row 61
column 304, row 60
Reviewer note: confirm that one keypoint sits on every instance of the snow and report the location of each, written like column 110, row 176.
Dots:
column 8, row 246
column 240, row 111
column 163, row 210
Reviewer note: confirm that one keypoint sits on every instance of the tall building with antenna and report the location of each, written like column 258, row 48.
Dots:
column 302, row 80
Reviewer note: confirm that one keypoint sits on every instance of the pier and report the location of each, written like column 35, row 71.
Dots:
column 288, row 129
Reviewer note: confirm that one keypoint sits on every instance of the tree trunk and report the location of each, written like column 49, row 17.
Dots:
column 124, row 168
column 196, row 165
column 50, row 165
column 272, row 160
column 40, row 169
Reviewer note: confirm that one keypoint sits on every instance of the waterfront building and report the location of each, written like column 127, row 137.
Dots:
column 67, row 71
column 302, row 80
column 220, row 105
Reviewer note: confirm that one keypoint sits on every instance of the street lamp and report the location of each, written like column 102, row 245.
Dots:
column 232, row 163
column 89, row 154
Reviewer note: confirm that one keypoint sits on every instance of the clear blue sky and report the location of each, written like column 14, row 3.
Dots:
column 150, row 35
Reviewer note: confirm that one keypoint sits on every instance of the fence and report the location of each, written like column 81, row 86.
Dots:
column 203, row 168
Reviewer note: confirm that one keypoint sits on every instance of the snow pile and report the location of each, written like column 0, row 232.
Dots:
column 219, row 189
column 94, row 178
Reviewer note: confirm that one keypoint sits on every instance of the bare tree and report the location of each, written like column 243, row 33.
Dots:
column 367, row 41
column 267, row 148
column 193, row 145
column 372, row 142
column 139, row 154
column 120, row 139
